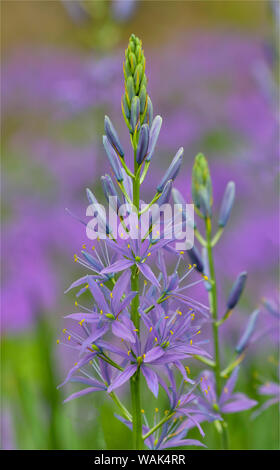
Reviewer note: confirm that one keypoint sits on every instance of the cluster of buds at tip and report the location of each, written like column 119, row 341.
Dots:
column 136, row 104
column 202, row 186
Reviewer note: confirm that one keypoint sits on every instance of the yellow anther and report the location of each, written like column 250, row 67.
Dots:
column 166, row 317
column 192, row 315
column 64, row 330
column 145, row 282
column 128, row 246
column 157, row 232
column 172, row 332
column 98, row 238
column 75, row 364
column 76, row 303
column 111, row 295
column 136, row 330
column 142, row 411
column 69, row 337
column 166, row 412
column 101, row 312
column 181, row 252
column 57, row 341
column 191, row 342
column 179, row 312
column 150, row 329
column 86, row 286
column 84, row 246
column 82, row 321
column 188, row 369
column 194, row 265
column 156, row 340
column 201, row 378
column 156, row 410
column 206, row 278
column 144, row 355
column 206, row 392
column 101, row 285
column 93, row 247
column 122, row 235
column 198, row 332
column 137, row 226
column 128, row 352
column 189, row 266
column 149, row 254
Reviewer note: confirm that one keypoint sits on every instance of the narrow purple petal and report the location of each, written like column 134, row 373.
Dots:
column 153, row 354
column 239, row 402
column 148, row 274
column 122, row 377
column 98, row 296
column 151, row 379
column 122, row 331
column 81, row 393
column 119, row 289
column 94, row 336
column 119, row 265
column 82, row 362
column 229, row 387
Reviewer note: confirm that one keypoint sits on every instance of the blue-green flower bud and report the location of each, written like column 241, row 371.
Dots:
column 113, row 159
column 173, row 169
column 236, row 291
column 135, row 113
column 196, row 259
column 202, row 185
column 143, row 144
column 249, row 330
column 113, row 136
column 227, row 204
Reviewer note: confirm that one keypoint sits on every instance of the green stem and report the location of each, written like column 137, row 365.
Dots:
column 158, row 425
column 135, row 379
column 121, row 406
column 214, row 312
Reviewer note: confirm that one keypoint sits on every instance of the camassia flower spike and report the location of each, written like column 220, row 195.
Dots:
column 134, row 321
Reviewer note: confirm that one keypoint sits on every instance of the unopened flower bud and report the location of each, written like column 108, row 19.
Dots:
column 154, row 133
column 196, row 259
column 143, row 144
column 110, row 192
column 112, row 135
column 113, row 159
column 173, row 169
column 247, row 335
column 236, row 291
column 202, row 185
column 135, row 113
column 227, row 204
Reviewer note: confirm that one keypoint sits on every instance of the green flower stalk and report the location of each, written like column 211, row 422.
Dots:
column 203, row 200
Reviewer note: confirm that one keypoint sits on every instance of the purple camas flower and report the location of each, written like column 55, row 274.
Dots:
column 228, row 402
column 118, row 336
column 139, row 321
column 270, row 389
